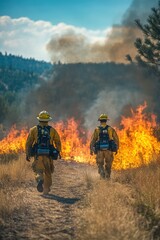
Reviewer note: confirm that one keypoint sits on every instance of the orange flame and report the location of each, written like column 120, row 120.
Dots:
column 138, row 145
column 75, row 144
column 14, row 142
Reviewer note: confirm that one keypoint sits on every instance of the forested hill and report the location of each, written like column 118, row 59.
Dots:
column 17, row 72
column 9, row 61
column 17, row 77
column 79, row 90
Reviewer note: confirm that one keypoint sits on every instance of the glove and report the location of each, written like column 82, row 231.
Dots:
column 116, row 152
column 27, row 159
column 91, row 152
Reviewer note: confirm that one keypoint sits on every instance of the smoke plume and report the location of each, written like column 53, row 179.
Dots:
column 85, row 90
column 73, row 45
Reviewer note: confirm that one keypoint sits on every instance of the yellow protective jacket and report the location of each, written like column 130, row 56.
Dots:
column 33, row 136
column 111, row 132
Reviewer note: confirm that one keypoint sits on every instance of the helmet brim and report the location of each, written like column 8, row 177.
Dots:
column 103, row 119
column 44, row 119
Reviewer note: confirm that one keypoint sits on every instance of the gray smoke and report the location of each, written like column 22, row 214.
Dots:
column 111, row 102
column 72, row 47
column 84, row 91
column 122, row 38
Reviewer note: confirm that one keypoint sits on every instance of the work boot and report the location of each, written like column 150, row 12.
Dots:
column 40, row 186
column 102, row 175
column 107, row 174
column 101, row 171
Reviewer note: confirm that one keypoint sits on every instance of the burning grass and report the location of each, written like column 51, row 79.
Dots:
column 14, row 142
column 138, row 143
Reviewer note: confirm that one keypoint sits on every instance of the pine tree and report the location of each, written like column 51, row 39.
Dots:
column 149, row 47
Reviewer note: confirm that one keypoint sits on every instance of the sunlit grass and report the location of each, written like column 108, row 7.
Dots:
column 120, row 208
column 13, row 176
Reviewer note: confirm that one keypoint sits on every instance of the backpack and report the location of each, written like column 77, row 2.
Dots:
column 103, row 142
column 43, row 140
column 43, row 146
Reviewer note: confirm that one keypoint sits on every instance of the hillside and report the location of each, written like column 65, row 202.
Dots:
column 17, row 72
column 9, row 61
column 80, row 90
column 17, row 76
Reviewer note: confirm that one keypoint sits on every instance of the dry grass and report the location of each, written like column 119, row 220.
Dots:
column 90, row 178
column 109, row 213
column 13, row 175
column 128, row 207
column 146, row 182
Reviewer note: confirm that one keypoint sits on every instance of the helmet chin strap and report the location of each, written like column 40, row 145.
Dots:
column 43, row 123
column 103, row 123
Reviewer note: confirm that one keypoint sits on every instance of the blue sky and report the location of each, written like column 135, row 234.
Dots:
column 93, row 14
column 65, row 30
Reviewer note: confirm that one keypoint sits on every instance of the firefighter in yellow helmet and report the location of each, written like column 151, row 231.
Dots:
column 104, row 143
column 43, row 143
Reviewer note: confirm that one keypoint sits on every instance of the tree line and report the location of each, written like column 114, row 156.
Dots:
column 17, row 76
column 81, row 83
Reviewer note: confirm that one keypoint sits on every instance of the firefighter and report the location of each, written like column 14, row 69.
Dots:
column 43, row 143
column 104, row 143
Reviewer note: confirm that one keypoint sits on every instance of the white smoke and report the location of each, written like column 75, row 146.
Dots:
column 111, row 102
column 44, row 41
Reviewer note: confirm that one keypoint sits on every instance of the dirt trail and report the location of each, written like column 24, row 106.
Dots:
column 50, row 217
column 54, row 217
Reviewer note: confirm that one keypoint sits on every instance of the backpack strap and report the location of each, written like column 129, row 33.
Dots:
column 39, row 129
column 103, row 142
column 101, row 129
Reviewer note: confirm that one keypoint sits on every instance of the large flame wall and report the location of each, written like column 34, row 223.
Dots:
column 138, row 145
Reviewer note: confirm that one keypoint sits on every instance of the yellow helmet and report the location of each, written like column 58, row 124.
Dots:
column 102, row 117
column 44, row 116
